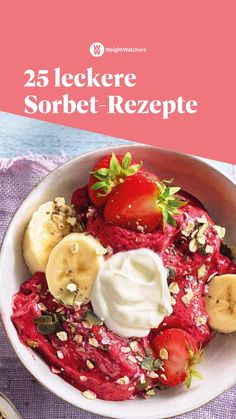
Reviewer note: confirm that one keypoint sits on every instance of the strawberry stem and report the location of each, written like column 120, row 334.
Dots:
column 115, row 174
column 169, row 202
column 195, row 358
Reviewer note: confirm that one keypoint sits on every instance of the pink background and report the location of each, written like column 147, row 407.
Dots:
column 190, row 53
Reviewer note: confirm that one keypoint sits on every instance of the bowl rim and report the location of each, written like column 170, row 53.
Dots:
column 106, row 150
column 6, row 406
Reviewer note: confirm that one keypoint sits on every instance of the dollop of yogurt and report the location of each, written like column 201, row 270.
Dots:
column 131, row 293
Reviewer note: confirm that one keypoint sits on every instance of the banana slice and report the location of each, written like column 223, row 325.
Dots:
column 220, row 303
column 73, row 266
column 48, row 225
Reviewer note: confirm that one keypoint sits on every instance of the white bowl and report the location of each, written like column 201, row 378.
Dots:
column 215, row 190
column 8, row 409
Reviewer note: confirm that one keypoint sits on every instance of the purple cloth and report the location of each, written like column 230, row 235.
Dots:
column 17, row 177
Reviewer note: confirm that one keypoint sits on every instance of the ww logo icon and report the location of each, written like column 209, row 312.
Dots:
column 97, row 49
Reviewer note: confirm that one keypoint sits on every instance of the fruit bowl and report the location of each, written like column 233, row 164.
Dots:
column 218, row 194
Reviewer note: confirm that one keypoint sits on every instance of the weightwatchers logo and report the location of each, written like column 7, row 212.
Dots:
column 97, row 49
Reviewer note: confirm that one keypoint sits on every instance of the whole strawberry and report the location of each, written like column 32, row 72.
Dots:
column 142, row 203
column 179, row 354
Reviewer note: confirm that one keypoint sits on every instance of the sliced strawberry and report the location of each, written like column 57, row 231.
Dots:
column 142, row 202
column 179, row 353
column 107, row 174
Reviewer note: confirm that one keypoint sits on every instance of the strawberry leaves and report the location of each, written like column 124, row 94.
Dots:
column 169, row 202
column 126, row 161
column 195, row 358
column 114, row 175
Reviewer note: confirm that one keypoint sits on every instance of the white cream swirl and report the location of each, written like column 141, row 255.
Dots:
column 131, row 293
